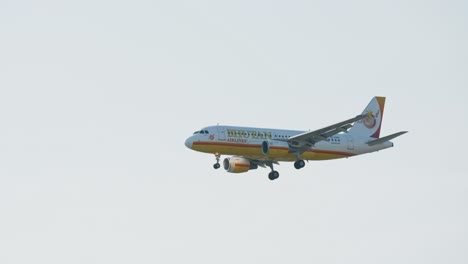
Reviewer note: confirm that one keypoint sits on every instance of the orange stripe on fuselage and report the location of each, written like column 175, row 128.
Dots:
column 254, row 151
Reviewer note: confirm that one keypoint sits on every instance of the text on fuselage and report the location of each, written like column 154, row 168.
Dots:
column 235, row 133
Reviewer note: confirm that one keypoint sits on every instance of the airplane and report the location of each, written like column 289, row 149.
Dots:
column 253, row 147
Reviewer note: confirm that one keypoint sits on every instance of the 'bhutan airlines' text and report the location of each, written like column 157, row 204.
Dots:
column 234, row 133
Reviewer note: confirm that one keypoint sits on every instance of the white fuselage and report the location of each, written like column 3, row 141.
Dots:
column 249, row 142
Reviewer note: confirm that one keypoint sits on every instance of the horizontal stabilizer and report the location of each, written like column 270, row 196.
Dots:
column 385, row 139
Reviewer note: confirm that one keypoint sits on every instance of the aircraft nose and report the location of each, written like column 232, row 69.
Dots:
column 188, row 142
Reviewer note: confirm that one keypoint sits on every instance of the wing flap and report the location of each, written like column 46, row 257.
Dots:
column 336, row 131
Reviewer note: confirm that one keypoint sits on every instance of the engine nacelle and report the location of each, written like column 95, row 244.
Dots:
column 238, row 165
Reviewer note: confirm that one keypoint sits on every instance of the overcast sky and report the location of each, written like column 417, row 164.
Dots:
column 97, row 98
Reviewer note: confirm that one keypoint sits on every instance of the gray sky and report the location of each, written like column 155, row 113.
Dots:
column 97, row 98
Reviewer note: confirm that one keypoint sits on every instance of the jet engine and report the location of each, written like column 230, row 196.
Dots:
column 238, row 165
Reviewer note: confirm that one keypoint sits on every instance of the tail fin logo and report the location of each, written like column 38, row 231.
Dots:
column 370, row 125
column 371, row 120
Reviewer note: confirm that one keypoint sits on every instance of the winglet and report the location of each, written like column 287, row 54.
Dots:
column 385, row 139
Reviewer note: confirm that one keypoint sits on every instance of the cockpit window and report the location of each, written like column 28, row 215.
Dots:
column 201, row 132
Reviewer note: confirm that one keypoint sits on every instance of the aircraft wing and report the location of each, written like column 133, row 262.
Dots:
column 301, row 142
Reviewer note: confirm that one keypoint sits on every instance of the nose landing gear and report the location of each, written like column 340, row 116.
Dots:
column 216, row 165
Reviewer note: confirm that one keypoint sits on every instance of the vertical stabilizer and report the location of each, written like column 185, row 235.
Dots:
column 371, row 124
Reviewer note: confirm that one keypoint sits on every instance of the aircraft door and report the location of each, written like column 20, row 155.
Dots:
column 221, row 133
column 350, row 142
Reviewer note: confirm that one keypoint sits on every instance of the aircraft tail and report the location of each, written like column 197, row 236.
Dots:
column 371, row 124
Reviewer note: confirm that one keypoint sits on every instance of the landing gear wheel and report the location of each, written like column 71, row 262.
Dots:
column 273, row 175
column 299, row 164
column 216, row 166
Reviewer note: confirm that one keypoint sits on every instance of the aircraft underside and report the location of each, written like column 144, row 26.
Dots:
column 247, row 157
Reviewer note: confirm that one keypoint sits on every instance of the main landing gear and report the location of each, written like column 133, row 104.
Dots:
column 216, row 165
column 299, row 164
column 273, row 175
